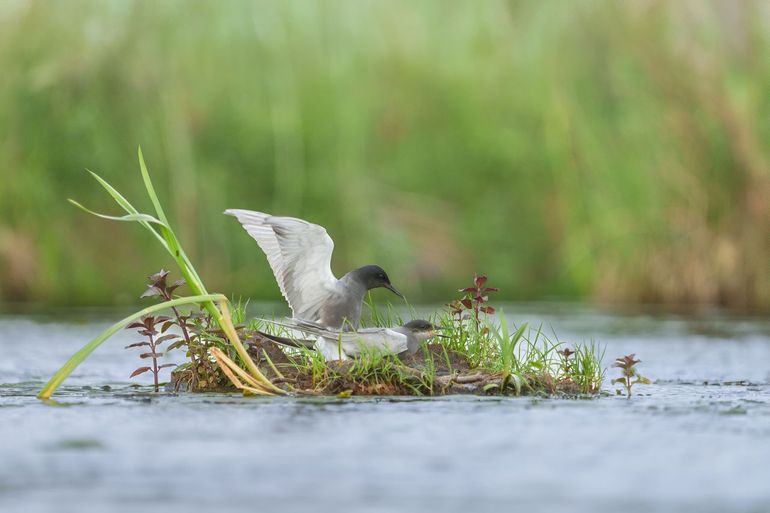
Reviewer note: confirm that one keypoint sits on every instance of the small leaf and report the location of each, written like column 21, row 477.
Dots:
column 468, row 290
column 140, row 370
column 160, row 275
column 164, row 338
column 151, row 292
column 179, row 343
column 166, row 365
column 159, row 278
column 135, row 325
column 487, row 309
column 178, row 283
column 150, row 355
column 480, row 280
column 166, row 326
column 138, row 344
column 467, row 303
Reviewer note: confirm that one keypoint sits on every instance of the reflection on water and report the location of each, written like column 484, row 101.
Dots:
column 696, row 440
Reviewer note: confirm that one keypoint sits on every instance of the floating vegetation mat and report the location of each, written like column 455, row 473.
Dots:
column 477, row 353
column 434, row 370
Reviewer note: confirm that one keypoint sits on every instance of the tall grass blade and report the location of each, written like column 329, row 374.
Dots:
column 127, row 206
column 146, row 218
column 173, row 244
column 150, row 189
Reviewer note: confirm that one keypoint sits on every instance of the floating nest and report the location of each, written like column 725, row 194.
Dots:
column 432, row 372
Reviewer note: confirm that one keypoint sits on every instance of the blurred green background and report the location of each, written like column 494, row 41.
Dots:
column 613, row 151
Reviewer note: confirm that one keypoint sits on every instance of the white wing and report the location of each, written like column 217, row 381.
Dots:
column 384, row 339
column 300, row 255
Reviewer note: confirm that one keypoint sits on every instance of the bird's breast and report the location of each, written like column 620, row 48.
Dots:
column 342, row 310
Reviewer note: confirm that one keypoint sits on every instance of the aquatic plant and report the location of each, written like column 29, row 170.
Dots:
column 161, row 230
column 511, row 367
column 484, row 359
column 159, row 287
column 527, row 358
column 474, row 301
column 149, row 328
column 466, row 320
column 631, row 376
column 199, row 334
column 205, row 335
column 583, row 367
column 531, row 361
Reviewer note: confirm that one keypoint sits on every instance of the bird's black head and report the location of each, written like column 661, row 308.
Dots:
column 419, row 326
column 424, row 329
column 374, row 276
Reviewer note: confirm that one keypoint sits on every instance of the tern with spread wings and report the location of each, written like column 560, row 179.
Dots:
column 300, row 254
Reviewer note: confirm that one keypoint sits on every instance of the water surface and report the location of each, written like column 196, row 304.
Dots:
column 698, row 439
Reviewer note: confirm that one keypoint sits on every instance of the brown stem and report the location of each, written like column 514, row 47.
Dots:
column 183, row 326
column 154, row 363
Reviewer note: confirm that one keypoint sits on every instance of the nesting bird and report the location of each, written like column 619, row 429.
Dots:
column 340, row 345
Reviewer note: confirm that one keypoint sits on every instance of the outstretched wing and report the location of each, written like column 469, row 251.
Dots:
column 300, row 255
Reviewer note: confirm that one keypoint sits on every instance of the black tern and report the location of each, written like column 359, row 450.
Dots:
column 340, row 345
column 300, row 253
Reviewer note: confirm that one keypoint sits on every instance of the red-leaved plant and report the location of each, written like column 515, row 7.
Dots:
column 158, row 287
column 152, row 328
column 198, row 332
column 474, row 301
column 627, row 365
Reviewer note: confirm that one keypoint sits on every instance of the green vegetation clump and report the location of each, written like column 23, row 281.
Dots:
column 615, row 150
column 472, row 356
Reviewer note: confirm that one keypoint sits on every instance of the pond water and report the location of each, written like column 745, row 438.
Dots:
column 697, row 439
